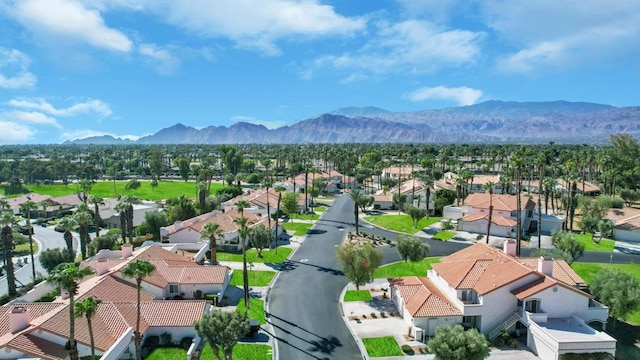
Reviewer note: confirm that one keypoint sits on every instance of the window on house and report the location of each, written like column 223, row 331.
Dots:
column 173, row 289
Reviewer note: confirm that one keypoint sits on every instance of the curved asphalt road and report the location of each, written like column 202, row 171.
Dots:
column 48, row 239
column 303, row 302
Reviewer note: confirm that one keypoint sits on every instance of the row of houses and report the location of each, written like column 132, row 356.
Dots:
column 542, row 300
column 31, row 329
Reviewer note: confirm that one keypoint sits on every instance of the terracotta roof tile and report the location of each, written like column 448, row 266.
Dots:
column 543, row 283
column 495, row 219
column 172, row 313
column 35, row 346
column 111, row 288
column 34, row 310
column 501, row 202
column 561, row 271
column 422, row 298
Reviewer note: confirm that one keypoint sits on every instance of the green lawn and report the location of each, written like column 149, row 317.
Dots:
column 357, row 295
column 105, row 189
column 24, row 250
column 627, row 333
column 589, row 271
column 167, row 353
column 268, row 256
column 401, row 223
column 298, row 229
column 305, row 216
column 256, row 277
column 320, row 209
column 444, row 235
column 589, row 245
column 406, row 268
column 240, row 352
column 256, row 309
column 382, row 346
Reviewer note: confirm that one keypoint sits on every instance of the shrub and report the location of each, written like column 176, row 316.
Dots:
column 446, row 224
column 185, row 342
column 611, row 202
column 152, row 342
column 165, row 339
column 407, row 349
column 198, row 294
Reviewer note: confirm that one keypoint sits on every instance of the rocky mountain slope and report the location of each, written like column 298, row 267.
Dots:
column 487, row 122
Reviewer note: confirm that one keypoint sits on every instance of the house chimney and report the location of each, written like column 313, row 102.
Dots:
column 545, row 265
column 509, row 247
column 127, row 250
column 102, row 266
column 177, row 225
column 18, row 319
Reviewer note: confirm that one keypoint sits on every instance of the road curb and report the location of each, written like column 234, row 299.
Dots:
column 363, row 350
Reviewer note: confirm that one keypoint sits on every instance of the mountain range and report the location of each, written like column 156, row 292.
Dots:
column 486, row 122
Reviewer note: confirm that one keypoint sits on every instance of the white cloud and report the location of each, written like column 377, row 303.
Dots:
column 15, row 65
column 87, row 107
column 435, row 9
column 251, row 24
column 165, row 62
column 84, row 133
column 32, row 117
column 68, row 20
column 14, row 133
column 253, row 120
column 461, row 95
column 573, row 33
column 409, row 46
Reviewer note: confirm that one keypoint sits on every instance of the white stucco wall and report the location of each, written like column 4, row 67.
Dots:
column 9, row 353
column 177, row 332
column 186, row 235
column 429, row 325
column 561, row 303
column 480, row 227
column 626, row 235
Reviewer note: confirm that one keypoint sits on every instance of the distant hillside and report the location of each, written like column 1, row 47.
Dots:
column 487, row 122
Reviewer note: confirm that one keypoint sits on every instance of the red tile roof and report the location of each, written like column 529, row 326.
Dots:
column 34, row 310
column 501, row 202
column 422, row 298
column 495, row 219
column 35, row 346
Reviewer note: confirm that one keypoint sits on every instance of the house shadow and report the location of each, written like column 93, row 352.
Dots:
column 232, row 296
column 382, row 305
column 628, row 336
column 430, row 231
column 258, row 338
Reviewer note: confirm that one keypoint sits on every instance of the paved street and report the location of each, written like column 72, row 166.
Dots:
column 304, row 299
column 48, row 239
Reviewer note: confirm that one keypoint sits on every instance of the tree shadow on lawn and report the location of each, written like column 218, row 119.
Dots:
column 287, row 265
column 628, row 336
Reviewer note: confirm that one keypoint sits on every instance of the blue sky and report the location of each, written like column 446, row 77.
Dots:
column 77, row 68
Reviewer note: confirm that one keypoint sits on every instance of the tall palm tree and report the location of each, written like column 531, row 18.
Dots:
column 488, row 186
column 138, row 270
column 26, row 207
column 359, row 201
column 267, row 184
column 540, row 162
column 518, row 161
column 121, row 207
column 67, row 224
column 83, row 218
column 7, row 219
column 96, row 201
column 213, row 232
column 243, row 231
column 88, row 308
column 66, row 276
column 279, row 190
column 44, row 205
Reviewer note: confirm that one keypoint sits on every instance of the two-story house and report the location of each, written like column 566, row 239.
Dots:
column 40, row 330
column 474, row 216
column 492, row 290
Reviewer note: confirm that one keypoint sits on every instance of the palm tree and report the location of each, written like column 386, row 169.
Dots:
column 243, row 231
column 121, row 207
column 540, row 162
column 518, row 167
column 359, row 200
column 67, row 224
column 7, row 219
column 213, row 232
column 138, row 270
column 267, row 185
column 96, row 201
column 83, row 218
column 66, row 276
column 460, row 183
column 26, row 207
column 88, row 308
column 279, row 190
column 488, row 186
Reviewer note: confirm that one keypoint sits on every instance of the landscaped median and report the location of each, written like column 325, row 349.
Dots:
column 256, row 278
column 401, row 223
column 401, row 269
column 382, row 346
column 240, row 352
column 586, row 240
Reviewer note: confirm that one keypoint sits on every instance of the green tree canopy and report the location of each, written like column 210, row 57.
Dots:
column 456, row 343
column 359, row 262
column 222, row 330
column 569, row 247
column 411, row 248
column 50, row 258
column 290, row 203
column 259, row 238
column 619, row 290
